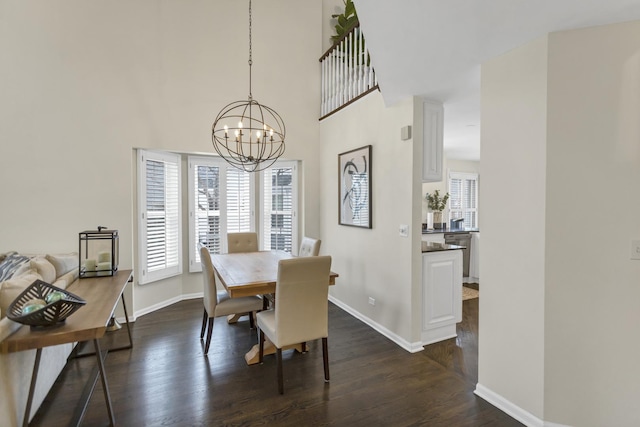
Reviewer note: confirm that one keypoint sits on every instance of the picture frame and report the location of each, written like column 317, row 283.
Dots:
column 354, row 188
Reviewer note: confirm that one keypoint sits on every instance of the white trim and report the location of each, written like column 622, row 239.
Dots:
column 410, row 347
column 163, row 304
column 509, row 408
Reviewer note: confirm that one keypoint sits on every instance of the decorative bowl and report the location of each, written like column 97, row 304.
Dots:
column 49, row 315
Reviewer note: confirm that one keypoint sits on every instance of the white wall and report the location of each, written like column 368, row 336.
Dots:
column 84, row 83
column 560, row 145
column 592, row 286
column 512, row 218
column 374, row 262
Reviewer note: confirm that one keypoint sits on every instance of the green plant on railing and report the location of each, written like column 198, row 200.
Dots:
column 437, row 203
column 346, row 20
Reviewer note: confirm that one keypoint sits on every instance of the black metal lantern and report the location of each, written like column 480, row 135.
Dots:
column 98, row 252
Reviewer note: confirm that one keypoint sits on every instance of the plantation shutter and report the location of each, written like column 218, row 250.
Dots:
column 238, row 200
column 463, row 200
column 160, row 215
column 279, row 207
column 220, row 200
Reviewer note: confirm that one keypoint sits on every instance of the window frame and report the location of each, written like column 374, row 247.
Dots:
column 471, row 176
column 295, row 185
column 145, row 276
column 192, row 163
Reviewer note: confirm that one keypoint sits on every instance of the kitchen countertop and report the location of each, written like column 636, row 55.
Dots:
column 441, row 231
column 439, row 247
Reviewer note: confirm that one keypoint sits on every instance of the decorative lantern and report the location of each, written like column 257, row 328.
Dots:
column 98, row 252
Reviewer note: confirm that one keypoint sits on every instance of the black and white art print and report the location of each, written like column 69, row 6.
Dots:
column 354, row 181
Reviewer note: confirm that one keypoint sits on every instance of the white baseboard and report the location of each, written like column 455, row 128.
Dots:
column 162, row 304
column 410, row 347
column 509, row 408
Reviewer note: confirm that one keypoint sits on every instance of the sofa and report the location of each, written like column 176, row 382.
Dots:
column 18, row 271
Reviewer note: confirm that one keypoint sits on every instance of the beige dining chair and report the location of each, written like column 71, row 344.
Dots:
column 309, row 247
column 217, row 304
column 242, row 242
column 301, row 309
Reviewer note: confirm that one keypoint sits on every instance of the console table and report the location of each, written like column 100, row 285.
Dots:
column 89, row 323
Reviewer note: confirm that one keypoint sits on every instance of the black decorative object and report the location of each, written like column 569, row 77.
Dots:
column 61, row 306
column 247, row 134
column 98, row 252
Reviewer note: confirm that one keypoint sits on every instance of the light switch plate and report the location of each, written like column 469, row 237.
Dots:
column 635, row 249
column 404, row 230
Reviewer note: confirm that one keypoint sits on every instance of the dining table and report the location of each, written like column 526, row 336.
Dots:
column 254, row 273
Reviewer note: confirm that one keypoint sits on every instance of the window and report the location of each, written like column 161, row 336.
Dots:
column 279, row 202
column 463, row 201
column 159, row 215
column 220, row 202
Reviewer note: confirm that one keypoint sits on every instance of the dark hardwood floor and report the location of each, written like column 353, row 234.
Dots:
column 166, row 381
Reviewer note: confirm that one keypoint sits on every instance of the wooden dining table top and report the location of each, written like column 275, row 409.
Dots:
column 251, row 273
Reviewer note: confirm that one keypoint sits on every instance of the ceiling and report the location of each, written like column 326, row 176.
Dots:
column 434, row 48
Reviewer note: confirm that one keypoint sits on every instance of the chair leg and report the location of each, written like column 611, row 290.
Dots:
column 260, row 346
column 325, row 358
column 252, row 323
column 206, row 347
column 303, row 347
column 204, row 323
column 280, row 380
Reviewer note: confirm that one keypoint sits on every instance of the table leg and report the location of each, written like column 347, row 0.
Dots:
column 32, row 387
column 105, row 385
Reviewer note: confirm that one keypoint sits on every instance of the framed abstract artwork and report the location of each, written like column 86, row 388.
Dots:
column 354, row 192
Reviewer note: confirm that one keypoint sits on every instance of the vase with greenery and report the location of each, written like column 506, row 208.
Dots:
column 437, row 204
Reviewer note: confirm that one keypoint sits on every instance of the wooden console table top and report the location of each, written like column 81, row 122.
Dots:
column 88, row 323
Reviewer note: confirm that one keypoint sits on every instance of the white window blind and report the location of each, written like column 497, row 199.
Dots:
column 159, row 215
column 220, row 202
column 463, row 201
column 279, row 213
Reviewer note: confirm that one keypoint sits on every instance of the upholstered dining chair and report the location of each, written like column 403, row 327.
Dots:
column 309, row 247
column 217, row 304
column 301, row 309
column 242, row 242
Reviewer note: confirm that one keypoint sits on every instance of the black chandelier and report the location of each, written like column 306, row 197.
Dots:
column 247, row 134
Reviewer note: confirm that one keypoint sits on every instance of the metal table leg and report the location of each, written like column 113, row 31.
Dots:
column 32, row 387
column 105, row 386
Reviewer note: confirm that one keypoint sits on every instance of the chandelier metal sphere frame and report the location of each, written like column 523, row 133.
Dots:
column 247, row 134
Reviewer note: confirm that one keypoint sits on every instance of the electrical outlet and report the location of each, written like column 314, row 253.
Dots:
column 404, row 230
column 372, row 301
column 635, row 249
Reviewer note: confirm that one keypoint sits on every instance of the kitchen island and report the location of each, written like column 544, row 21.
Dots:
column 441, row 291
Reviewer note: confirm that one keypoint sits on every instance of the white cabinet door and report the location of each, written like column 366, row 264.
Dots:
column 441, row 295
column 433, row 121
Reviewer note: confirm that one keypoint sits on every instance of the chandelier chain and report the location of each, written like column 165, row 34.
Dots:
column 250, row 50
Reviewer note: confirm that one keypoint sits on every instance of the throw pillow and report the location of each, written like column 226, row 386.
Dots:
column 12, row 262
column 63, row 263
column 44, row 268
column 10, row 289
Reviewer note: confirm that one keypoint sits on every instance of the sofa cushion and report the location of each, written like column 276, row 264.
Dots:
column 11, row 288
column 12, row 262
column 63, row 263
column 66, row 279
column 44, row 268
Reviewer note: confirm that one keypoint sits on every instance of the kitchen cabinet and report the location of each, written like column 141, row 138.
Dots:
column 433, row 237
column 441, row 295
column 432, row 125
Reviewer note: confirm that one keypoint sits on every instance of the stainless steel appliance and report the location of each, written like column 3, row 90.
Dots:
column 461, row 239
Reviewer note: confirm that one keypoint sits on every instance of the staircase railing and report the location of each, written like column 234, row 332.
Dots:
column 347, row 74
